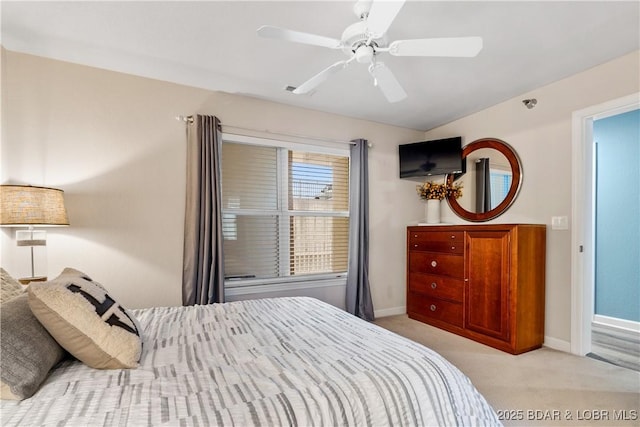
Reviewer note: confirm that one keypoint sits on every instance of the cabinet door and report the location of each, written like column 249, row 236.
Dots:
column 487, row 283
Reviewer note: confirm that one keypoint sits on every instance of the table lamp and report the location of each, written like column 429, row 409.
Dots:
column 30, row 206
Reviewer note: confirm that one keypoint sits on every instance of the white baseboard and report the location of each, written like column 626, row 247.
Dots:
column 386, row 312
column 627, row 326
column 629, row 329
column 616, row 335
column 557, row 344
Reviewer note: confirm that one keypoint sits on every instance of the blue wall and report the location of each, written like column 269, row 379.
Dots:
column 618, row 216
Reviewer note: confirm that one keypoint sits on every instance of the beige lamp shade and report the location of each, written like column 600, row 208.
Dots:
column 25, row 205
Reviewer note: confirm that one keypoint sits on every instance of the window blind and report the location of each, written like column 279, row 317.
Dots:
column 285, row 212
column 500, row 184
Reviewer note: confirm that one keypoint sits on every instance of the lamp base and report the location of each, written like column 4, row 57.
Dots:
column 27, row 280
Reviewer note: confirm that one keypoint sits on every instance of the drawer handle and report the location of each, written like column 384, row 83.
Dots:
column 453, row 248
column 453, row 237
column 415, row 235
column 433, row 307
column 415, row 246
column 434, row 263
column 434, row 285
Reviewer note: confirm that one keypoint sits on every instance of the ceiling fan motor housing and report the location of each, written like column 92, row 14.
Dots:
column 357, row 35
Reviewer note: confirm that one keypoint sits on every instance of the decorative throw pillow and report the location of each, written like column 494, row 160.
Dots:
column 9, row 287
column 28, row 351
column 87, row 321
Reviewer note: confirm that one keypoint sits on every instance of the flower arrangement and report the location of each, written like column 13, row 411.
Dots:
column 434, row 191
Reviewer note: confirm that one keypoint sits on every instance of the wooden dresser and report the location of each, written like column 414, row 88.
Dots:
column 484, row 282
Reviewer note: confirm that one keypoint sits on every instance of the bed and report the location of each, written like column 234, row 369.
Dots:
column 269, row 362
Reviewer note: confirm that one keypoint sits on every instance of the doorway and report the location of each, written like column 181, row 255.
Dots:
column 584, row 218
column 615, row 329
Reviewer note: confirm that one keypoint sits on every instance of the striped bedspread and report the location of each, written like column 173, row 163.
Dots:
column 270, row 362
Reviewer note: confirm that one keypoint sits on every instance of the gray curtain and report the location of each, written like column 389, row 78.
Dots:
column 358, row 298
column 203, row 263
column 483, row 185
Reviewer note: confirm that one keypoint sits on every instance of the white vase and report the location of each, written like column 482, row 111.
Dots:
column 432, row 211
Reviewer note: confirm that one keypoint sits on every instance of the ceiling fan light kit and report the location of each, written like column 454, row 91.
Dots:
column 364, row 54
column 364, row 40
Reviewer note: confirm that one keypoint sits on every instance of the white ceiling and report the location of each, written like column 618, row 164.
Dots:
column 214, row 45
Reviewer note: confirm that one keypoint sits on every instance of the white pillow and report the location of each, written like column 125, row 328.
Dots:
column 85, row 320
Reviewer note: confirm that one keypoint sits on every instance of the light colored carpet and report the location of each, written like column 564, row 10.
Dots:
column 543, row 387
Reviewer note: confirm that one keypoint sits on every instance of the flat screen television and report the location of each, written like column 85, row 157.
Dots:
column 436, row 157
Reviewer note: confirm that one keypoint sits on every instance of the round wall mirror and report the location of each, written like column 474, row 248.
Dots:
column 491, row 181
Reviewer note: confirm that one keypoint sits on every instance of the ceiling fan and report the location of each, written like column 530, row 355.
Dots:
column 366, row 39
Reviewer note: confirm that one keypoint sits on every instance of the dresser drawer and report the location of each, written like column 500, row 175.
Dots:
column 436, row 263
column 436, row 286
column 434, row 308
column 437, row 241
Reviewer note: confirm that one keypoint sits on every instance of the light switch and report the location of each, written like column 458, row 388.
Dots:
column 559, row 223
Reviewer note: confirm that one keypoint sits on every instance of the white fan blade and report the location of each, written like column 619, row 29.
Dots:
column 320, row 78
column 452, row 46
column 272, row 32
column 387, row 82
column 382, row 14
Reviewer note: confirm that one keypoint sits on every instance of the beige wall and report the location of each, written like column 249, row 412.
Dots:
column 111, row 141
column 542, row 138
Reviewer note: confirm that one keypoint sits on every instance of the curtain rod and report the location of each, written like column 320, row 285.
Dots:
column 189, row 120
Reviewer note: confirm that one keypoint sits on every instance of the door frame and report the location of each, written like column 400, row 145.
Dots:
column 583, row 216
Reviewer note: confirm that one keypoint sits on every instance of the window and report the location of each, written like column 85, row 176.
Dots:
column 285, row 212
column 500, row 184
